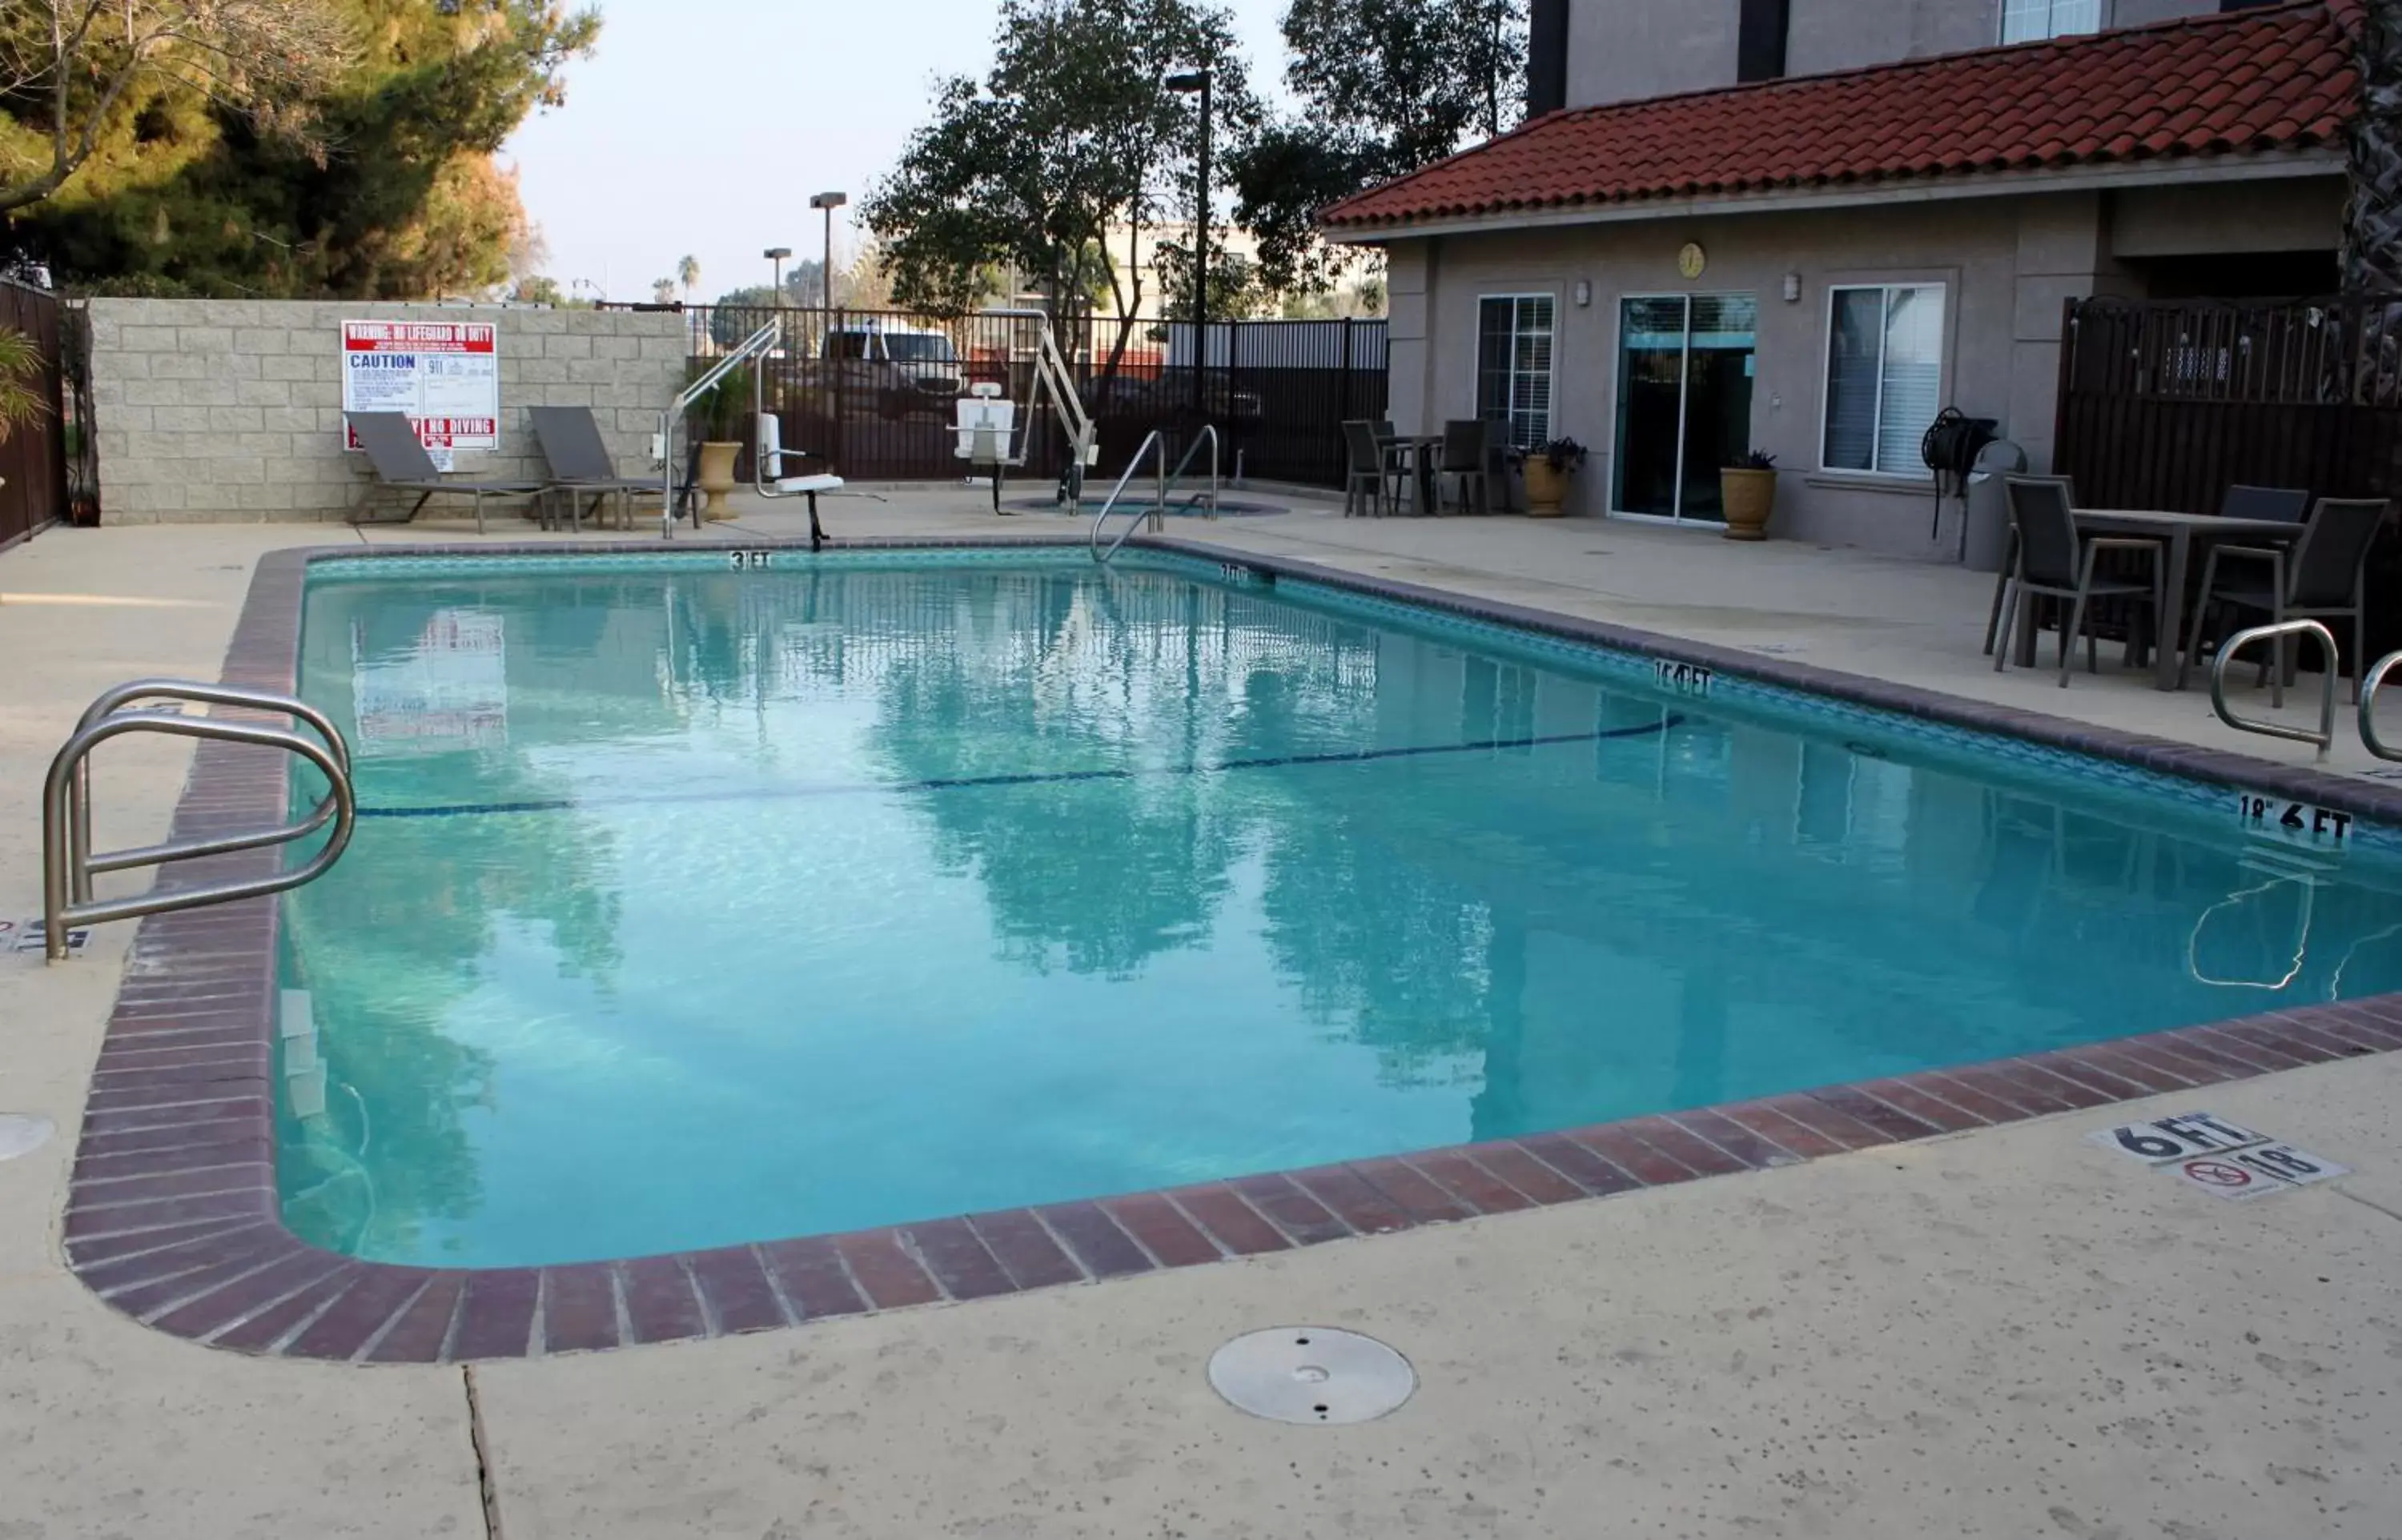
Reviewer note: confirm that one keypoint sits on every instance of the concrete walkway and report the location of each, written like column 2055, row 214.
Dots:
column 2009, row 1333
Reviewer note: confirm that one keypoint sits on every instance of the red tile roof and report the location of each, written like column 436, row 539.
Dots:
column 2246, row 81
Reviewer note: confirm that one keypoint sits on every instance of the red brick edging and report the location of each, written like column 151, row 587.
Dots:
column 172, row 1216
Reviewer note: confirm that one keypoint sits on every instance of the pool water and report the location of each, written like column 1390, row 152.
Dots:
column 692, row 907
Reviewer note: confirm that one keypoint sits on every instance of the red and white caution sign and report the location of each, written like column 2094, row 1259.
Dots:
column 2223, row 1158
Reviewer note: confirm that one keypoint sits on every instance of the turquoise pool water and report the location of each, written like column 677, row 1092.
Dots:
column 695, row 906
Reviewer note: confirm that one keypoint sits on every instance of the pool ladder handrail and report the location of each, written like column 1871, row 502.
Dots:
column 2370, row 682
column 2324, row 738
column 1165, row 482
column 68, row 862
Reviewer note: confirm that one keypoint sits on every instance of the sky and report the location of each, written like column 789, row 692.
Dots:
column 704, row 126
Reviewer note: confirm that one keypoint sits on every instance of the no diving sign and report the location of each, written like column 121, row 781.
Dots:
column 2222, row 1157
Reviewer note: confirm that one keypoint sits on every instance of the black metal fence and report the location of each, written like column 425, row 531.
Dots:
column 33, row 458
column 2166, row 403
column 875, row 390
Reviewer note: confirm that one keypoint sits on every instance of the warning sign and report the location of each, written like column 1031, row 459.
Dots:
column 446, row 374
column 2222, row 1157
column 2225, row 1179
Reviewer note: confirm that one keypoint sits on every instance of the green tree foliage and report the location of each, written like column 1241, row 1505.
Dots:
column 1238, row 292
column 392, row 193
column 21, row 402
column 1072, row 134
column 1386, row 87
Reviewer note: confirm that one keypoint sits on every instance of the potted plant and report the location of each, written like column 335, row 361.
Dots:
column 1547, row 467
column 1747, row 492
column 723, row 412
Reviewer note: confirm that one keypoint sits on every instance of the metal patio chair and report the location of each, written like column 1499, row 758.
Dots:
column 1373, row 467
column 401, row 463
column 2010, row 562
column 580, row 466
column 2322, row 577
column 1464, row 461
column 2288, row 503
column 2054, row 562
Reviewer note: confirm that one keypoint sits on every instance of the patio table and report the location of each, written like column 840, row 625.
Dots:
column 2176, row 531
column 1422, row 454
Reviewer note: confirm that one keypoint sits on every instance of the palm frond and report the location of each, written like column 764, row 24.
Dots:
column 22, row 401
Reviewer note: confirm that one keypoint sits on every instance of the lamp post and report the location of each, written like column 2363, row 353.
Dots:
column 825, row 204
column 775, row 254
column 1197, row 81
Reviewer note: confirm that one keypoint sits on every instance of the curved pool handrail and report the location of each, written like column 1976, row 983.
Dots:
column 2370, row 683
column 2325, row 737
column 1152, row 445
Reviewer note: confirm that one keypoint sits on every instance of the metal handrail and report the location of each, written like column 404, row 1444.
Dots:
column 2325, row 737
column 111, row 701
column 1167, row 480
column 68, row 862
column 2369, row 682
column 751, row 347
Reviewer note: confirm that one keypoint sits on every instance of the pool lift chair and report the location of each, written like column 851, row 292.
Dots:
column 768, row 456
column 995, row 434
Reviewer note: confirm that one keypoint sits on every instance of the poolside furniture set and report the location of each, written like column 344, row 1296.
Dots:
column 2271, row 554
column 1388, row 473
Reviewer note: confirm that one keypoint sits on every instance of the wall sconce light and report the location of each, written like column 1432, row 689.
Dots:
column 1583, row 294
column 1792, row 287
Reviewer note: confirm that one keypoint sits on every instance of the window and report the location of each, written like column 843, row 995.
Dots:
column 1513, row 365
column 1885, row 375
column 2033, row 21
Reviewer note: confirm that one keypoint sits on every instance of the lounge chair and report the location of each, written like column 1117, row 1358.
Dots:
column 401, row 463
column 580, row 464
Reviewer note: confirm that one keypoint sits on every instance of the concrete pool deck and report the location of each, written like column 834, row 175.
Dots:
column 2006, row 1332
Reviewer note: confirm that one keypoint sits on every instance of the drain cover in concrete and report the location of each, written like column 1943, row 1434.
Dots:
column 21, row 1133
column 1311, row 1374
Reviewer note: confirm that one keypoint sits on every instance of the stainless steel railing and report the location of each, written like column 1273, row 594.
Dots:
column 1163, row 483
column 2370, row 683
column 68, row 860
column 2325, row 737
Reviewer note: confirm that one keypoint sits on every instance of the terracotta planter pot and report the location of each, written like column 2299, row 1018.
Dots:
column 1545, row 488
column 1749, row 497
column 717, row 477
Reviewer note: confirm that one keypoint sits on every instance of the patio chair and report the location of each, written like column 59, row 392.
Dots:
column 2052, row 561
column 2010, row 563
column 401, row 463
column 580, row 465
column 1373, row 467
column 2285, row 504
column 2322, row 577
column 1464, row 459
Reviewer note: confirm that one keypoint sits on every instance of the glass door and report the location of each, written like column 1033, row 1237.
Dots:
column 1684, row 401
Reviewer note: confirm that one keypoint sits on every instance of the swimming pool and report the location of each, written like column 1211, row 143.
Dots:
column 698, row 902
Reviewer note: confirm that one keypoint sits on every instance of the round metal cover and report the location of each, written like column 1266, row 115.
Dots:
column 22, row 1133
column 1311, row 1374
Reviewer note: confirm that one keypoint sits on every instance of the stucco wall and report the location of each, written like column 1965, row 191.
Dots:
column 2302, row 214
column 2006, row 266
column 232, row 410
column 1620, row 50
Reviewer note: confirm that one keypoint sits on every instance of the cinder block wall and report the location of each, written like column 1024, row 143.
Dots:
column 213, row 409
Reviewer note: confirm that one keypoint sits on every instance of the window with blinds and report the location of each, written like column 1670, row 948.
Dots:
column 2033, row 21
column 1514, row 364
column 1885, row 375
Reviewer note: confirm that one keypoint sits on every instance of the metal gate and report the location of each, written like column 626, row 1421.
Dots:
column 33, row 457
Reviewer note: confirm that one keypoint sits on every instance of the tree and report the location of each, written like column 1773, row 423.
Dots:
column 1071, row 134
column 1386, row 87
column 388, row 189
column 662, row 291
column 2372, row 224
column 67, row 65
column 1237, row 292
column 21, row 402
column 687, row 274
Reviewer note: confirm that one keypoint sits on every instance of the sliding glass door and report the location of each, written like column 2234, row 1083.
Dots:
column 1684, row 401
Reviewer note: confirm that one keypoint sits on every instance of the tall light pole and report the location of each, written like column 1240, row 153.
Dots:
column 1184, row 84
column 826, row 202
column 775, row 254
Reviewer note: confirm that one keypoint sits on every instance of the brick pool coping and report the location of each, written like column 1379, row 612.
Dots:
column 172, row 1216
